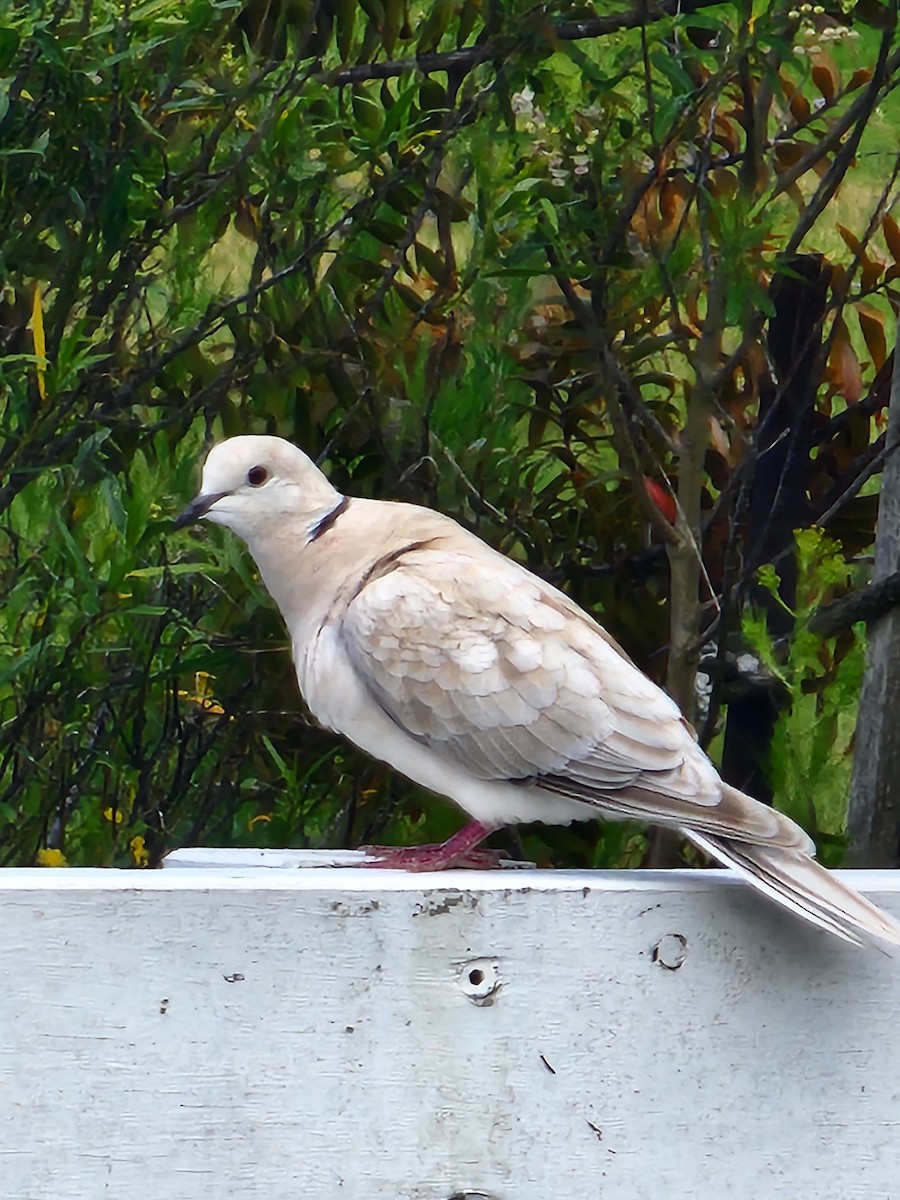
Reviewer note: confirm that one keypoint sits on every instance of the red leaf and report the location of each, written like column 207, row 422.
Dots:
column 663, row 499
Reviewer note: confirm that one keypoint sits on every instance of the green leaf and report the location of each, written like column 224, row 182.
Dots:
column 396, row 121
column 174, row 569
column 9, row 46
column 549, row 211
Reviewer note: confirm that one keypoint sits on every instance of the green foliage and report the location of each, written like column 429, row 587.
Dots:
column 811, row 762
column 445, row 279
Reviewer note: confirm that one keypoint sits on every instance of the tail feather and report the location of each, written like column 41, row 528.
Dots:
column 797, row 882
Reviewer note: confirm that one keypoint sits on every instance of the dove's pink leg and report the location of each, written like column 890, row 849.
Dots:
column 457, row 851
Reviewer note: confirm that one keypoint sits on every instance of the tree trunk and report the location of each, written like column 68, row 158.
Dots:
column 873, row 821
column 778, row 501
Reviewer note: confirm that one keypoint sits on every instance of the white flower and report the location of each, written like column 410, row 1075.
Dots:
column 521, row 102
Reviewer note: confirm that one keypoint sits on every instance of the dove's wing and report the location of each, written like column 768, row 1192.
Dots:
column 499, row 673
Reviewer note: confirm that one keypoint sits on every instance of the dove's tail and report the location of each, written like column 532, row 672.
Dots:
column 796, row 881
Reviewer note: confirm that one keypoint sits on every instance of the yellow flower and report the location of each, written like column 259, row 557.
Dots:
column 203, row 683
column 47, row 857
column 140, row 855
column 203, row 695
column 37, row 335
column 108, row 815
column 206, row 705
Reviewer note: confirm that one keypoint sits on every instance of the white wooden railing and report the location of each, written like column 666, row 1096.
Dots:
column 249, row 1026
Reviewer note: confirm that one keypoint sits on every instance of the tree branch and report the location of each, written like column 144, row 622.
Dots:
column 868, row 604
column 457, row 62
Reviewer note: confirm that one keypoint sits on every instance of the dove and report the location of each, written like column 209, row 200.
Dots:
column 481, row 682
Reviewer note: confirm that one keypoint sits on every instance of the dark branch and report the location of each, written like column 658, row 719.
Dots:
column 868, row 604
column 460, row 62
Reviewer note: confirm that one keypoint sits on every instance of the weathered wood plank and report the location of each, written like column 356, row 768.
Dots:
column 269, row 1034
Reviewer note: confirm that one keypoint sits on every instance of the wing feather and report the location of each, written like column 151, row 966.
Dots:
column 500, row 673
column 488, row 665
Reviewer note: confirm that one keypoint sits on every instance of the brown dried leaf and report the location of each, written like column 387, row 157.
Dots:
column 674, row 197
column 826, row 77
column 788, row 153
column 641, row 221
column 797, row 102
column 694, row 323
column 891, row 231
column 850, row 238
column 843, row 370
column 726, row 134
column 246, row 219
column 871, row 322
column 755, row 362
column 872, row 267
column 723, row 183
column 872, row 270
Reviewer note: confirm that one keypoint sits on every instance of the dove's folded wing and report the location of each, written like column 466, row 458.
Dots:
column 502, row 675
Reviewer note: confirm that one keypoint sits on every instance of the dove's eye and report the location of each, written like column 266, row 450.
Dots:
column 257, row 476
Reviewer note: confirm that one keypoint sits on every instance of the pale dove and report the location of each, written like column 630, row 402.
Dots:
column 471, row 676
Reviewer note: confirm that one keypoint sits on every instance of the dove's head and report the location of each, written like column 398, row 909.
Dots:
column 249, row 482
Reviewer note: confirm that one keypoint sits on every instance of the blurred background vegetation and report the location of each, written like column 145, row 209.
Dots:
column 609, row 284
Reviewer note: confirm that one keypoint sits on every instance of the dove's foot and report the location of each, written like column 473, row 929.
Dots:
column 458, row 851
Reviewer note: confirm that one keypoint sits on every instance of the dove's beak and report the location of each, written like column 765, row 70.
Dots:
column 197, row 509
